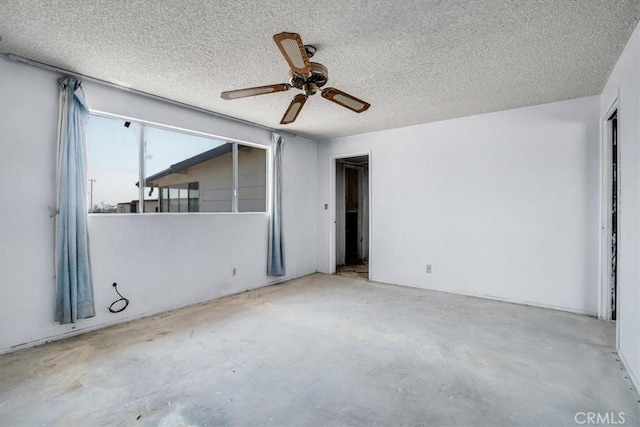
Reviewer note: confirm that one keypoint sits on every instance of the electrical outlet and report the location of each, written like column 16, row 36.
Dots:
column 428, row 268
column 234, row 271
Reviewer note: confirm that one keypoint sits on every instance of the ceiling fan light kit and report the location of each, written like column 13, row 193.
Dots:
column 304, row 75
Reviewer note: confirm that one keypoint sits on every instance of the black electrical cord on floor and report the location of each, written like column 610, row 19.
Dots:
column 126, row 301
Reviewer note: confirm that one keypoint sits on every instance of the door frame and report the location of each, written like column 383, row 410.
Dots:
column 604, row 307
column 332, row 212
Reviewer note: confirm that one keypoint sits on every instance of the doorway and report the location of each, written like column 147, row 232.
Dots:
column 352, row 217
column 613, row 285
column 610, row 205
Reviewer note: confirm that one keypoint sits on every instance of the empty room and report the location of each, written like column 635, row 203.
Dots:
column 319, row 213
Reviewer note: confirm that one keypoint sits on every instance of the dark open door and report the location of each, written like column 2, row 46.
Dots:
column 614, row 214
column 351, row 220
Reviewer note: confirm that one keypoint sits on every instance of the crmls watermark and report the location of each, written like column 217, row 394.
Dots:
column 599, row 418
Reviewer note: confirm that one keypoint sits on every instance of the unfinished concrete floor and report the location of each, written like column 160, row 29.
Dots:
column 325, row 350
column 355, row 270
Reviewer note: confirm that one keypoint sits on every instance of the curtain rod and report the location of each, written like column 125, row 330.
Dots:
column 42, row 65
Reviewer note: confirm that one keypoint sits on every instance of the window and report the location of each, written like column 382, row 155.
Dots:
column 180, row 198
column 179, row 172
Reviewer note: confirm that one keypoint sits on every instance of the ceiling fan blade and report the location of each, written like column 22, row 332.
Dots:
column 253, row 91
column 346, row 100
column 293, row 110
column 290, row 44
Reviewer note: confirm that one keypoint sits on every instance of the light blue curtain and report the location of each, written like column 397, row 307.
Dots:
column 275, row 262
column 74, row 299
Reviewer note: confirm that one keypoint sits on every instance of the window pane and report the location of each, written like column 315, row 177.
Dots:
column 194, row 197
column 184, row 199
column 112, row 165
column 252, row 179
column 164, row 200
column 182, row 162
column 174, row 200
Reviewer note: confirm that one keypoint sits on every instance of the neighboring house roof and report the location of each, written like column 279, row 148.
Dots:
column 190, row 162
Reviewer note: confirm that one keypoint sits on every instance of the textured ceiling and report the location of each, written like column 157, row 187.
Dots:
column 414, row 61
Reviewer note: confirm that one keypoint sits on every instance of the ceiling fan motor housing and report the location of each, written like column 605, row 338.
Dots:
column 319, row 77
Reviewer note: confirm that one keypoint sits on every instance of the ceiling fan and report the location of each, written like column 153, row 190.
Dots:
column 304, row 75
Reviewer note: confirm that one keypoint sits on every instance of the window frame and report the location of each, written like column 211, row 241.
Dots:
column 234, row 164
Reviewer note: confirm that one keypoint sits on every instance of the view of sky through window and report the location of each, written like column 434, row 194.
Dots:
column 113, row 156
column 112, row 160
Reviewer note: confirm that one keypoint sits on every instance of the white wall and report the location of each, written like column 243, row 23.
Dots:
column 503, row 205
column 624, row 84
column 137, row 251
